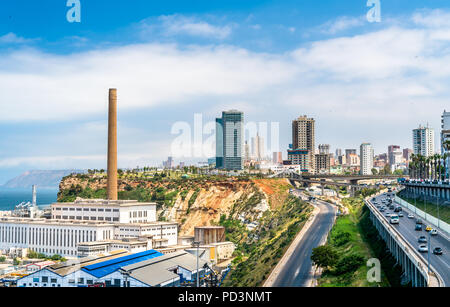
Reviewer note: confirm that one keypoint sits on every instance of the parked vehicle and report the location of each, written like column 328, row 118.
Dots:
column 433, row 232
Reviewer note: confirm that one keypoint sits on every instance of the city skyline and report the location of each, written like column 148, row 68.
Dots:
column 55, row 75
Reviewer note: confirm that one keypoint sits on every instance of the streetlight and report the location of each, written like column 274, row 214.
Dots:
column 429, row 250
column 197, row 244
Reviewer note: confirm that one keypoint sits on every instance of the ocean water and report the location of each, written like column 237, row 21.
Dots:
column 12, row 197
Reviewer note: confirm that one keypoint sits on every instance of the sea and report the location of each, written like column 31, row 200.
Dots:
column 9, row 198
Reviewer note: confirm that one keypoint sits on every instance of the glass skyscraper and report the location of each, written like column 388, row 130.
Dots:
column 229, row 144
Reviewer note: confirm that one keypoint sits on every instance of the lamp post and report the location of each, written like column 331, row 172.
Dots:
column 197, row 245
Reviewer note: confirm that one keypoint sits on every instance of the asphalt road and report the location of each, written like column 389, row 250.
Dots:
column 298, row 269
column 406, row 228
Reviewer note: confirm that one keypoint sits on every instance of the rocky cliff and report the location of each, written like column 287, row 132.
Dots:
column 190, row 202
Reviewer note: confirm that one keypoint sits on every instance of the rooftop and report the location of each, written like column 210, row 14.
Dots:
column 156, row 271
column 104, row 202
column 70, row 266
column 107, row 267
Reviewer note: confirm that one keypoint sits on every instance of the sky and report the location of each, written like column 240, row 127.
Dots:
column 173, row 61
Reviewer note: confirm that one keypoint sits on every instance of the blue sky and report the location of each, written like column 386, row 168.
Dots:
column 275, row 60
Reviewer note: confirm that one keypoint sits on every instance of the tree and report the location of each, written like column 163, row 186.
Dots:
column 2, row 259
column 324, row 256
column 374, row 171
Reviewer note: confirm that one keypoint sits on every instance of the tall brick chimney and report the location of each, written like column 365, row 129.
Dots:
column 112, row 145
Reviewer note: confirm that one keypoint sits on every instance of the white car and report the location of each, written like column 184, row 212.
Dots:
column 410, row 216
column 423, row 248
column 433, row 232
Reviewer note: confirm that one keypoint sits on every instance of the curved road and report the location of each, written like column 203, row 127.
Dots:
column 297, row 272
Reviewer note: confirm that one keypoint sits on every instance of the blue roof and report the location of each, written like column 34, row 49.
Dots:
column 107, row 267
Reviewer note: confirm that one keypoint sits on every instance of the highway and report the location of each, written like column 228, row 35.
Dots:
column 406, row 228
column 297, row 272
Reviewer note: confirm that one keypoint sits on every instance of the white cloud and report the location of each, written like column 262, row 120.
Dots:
column 341, row 24
column 39, row 86
column 12, row 38
column 175, row 25
column 432, row 18
column 396, row 74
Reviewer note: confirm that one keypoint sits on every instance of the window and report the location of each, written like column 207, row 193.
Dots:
column 93, row 209
column 53, row 281
column 65, row 209
column 36, row 279
column 89, row 281
column 44, row 279
column 116, row 219
column 81, row 280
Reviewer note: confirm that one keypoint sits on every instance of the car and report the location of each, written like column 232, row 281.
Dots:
column 428, row 229
column 382, row 210
column 388, row 214
column 423, row 248
column 398, row 209
column 394, row 219
column 433, row 232
column 437, row 251
column 422, row 239
column 410, row 216
column 400, row 214
column 419, row 221
column 418, row 227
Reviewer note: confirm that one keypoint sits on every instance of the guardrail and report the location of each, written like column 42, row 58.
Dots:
column 433, row 278
column 426, row 216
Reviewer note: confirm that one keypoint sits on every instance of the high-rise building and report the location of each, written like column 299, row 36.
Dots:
column 445, row 132
column 258, row 152
column 246, row 152
column 277, row 158
column 407, row 152
column 395, row 156
column 324, row 149
column 338, row 152
column 303, row 139
column 229, row 144
column 366, row 156
column 323, row 163
column 423, row 141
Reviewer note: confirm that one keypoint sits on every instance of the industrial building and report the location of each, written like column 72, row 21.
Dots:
column 119, row 269
column 118, row 211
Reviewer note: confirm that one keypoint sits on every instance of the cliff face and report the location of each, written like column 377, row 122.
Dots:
column 190, row 202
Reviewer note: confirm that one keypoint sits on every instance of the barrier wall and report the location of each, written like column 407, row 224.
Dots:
column 425, row 216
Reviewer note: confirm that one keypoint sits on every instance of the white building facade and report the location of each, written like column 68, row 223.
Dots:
column 423, row 141
column 366, row 158
column 117, row 211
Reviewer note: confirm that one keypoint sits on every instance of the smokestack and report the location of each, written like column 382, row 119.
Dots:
column 112, row 145
column 34, row 194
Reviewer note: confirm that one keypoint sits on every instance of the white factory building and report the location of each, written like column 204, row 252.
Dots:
column 121, row 211
column 77, row 222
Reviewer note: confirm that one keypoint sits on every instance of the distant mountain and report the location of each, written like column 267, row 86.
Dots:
column 43, row 179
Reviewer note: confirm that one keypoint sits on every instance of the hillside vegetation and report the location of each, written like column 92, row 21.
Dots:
column 352, row 242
